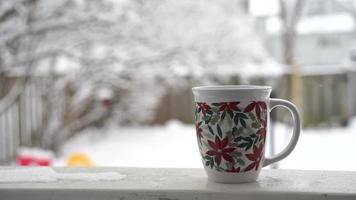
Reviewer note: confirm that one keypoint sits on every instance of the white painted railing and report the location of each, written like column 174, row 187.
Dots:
column 169, row 184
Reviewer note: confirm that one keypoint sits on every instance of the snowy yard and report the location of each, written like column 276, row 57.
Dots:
column 174, row 145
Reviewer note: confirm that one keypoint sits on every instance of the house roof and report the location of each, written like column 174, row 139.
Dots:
column 318, row 24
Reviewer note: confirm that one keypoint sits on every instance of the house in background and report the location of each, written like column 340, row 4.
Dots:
column 325, row 47
column 325, row 40
column 326, row 33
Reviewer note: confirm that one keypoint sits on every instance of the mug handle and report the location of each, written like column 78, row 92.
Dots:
column 296, row 130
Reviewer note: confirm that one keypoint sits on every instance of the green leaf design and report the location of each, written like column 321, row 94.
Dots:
column 231, row 114
column 236, row 120
column 219, row 131
column 211, row 130
column 256, row 140
column 242, row 115
column 234, row 145
column 215, row 119
column 253, row 135
column 223, row 115
column 248, row 139
column 249, row 146
column 234, row 130
column 247, row 143
column 207, row 163
column 252, row 117
column 206, row 119
column 238, row 139
column 240, row 161
column 229, row 165
column 255, row 125
column 243, row 123
column 215, row 109
column 242, row 145
column 216, row 104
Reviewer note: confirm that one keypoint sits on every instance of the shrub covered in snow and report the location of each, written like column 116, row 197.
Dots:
column 159, row 44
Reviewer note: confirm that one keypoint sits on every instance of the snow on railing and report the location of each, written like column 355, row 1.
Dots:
column 165, row 184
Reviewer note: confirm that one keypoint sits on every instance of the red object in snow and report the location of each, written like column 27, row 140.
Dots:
column 24, row 161
column 34, row 157
column 33, row 161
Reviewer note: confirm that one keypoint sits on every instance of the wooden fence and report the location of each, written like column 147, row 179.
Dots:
column 328, row 100
column 325, row 100
column 22, row 123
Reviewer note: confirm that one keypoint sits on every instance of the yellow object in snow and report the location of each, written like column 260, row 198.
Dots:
column 79, row 160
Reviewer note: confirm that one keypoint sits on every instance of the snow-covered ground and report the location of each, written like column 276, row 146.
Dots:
column 174, row 145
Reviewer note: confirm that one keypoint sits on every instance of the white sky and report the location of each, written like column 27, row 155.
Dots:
column 264, row 7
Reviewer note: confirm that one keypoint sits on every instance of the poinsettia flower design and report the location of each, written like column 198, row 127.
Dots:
column 198, row 131
column 229, row 106
column 255, row 157
column 258, row 106
column 261, row 132
column 233, row 170
column 220, row 149
column 203, row 107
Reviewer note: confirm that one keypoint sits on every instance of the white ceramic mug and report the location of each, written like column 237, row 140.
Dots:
column 231, row 126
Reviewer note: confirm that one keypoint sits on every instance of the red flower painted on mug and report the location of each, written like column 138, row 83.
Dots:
column 229, row 106
column 255, row 157
column 262, row 132
column 233, row 170
column 220, row 150
column 258, row 106
column 203, row 107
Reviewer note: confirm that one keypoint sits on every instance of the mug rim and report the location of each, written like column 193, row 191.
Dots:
column 231, row 87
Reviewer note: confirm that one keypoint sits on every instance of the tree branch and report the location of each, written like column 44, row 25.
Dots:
column 23, row 60
column 9, row 10
column 296, row 15
column 44, row 27
column 289, row 28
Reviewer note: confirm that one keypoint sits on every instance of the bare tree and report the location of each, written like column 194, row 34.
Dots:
column 290, row 14
column 37, row 31
column 24, row 24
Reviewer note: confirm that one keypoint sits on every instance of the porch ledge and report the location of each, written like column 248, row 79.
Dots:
column 176, row 184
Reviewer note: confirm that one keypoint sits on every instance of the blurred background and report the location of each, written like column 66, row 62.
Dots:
column 108, row 83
